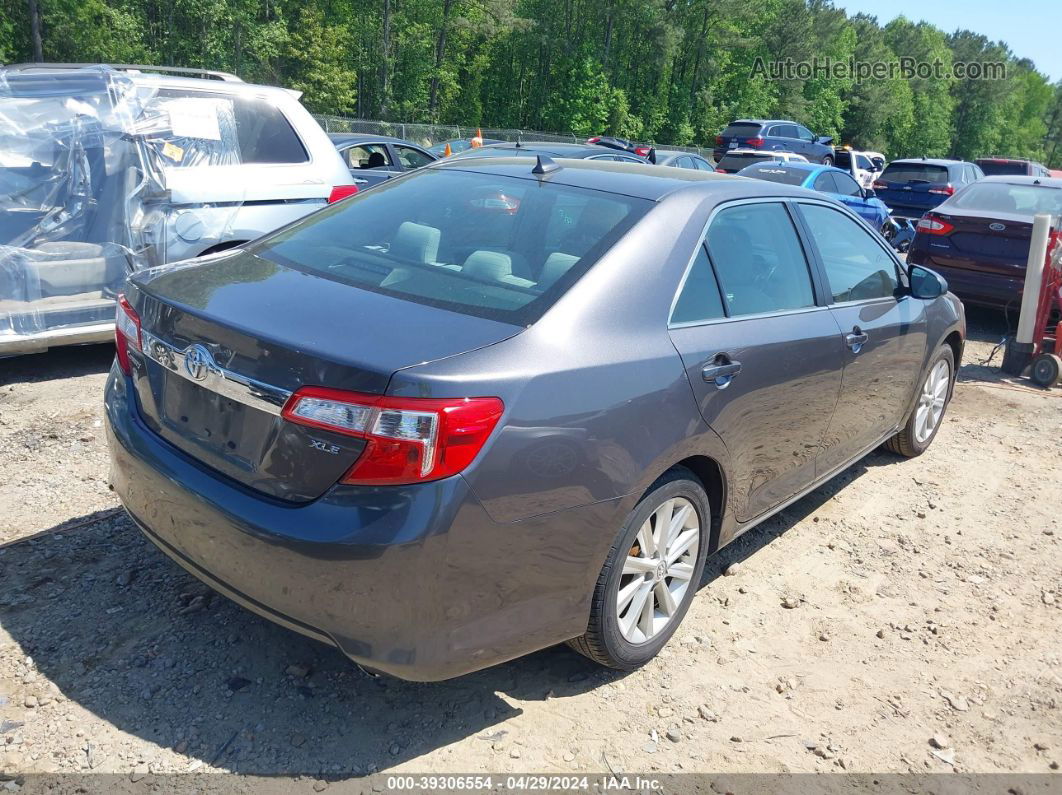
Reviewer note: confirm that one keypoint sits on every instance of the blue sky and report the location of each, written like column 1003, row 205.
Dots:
column 1032, row 28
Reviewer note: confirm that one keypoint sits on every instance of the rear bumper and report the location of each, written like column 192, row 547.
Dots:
column 416, row 581
column 982, row 288
column 39, row 342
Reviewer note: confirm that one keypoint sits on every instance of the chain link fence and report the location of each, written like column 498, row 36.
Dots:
column 431, row 134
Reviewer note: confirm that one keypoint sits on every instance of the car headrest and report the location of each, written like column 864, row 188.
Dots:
column 416, row 242
column 491, row 265
column 556, row 265
column 376, row 159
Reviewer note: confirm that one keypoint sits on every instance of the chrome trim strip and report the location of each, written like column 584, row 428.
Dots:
column 227, row 383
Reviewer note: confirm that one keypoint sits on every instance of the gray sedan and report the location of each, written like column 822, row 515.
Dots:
column 503, row 403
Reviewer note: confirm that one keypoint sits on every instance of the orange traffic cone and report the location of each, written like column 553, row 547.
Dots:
column 478, row 140
column 447, row 151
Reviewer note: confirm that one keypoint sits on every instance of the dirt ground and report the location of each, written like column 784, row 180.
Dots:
column 927, row 636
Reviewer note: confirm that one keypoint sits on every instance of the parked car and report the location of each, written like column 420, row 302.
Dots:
column 472, row 431
column 979, row 238
column 666, row 157
column 832, row 181
column 863, row 166
column 774, row 135
column 1011, row 166
column 912, row 186
column 623, row 144
column 106, row 170
column 458, row 145
column 373, row 159
column 551, row 149
column 735, row 160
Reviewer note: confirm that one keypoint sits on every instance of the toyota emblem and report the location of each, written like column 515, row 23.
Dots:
column 198, row 362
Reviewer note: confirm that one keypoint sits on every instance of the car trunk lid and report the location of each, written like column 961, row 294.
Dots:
column 228, row 339
column 994, row 244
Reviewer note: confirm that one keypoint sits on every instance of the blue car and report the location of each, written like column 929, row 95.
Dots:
column 839, row 184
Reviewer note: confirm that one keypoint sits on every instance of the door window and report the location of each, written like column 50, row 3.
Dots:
column 826, row 183
column 804, row 134
column 368, row 156
column 412, row 158
column 759, row 260
column 786, row 131
column 857, row 267
column 846, row 186
column 700, row 299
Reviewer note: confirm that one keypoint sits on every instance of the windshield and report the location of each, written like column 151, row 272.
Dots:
column 736, row 162
column 1000, row 197
column 774, row 173
column 503, row 248
column 914, row 172
column 1008, row 168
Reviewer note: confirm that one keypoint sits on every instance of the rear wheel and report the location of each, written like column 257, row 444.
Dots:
column 924, row 422
column 1046, row 370
column 651, row 574
column 827, row 160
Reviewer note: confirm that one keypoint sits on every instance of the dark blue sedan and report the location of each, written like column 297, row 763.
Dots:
column 838, row 184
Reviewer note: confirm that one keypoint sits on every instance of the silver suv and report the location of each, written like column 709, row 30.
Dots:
column 107, row 170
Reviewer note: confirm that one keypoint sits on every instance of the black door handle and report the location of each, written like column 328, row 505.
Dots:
column 856, row 340
column 721, row 371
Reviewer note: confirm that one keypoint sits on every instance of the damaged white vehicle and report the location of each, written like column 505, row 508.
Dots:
column 106, row 170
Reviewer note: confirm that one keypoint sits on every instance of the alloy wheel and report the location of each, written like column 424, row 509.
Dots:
column 932, row 400
column 658, row 570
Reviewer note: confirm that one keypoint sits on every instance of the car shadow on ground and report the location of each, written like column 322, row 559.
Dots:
column 56, row 364
column 118, row 629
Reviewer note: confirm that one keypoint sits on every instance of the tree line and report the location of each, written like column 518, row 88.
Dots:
column 666, row 71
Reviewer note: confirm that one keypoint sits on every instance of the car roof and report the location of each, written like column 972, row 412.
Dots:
column 666, row 153
column 1022, row 179
column 360, row 138
column 549, row 148
column 766, row 121
column 639, row 180
column 932, row 161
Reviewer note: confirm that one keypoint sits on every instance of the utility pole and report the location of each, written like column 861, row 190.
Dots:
column 35, row 30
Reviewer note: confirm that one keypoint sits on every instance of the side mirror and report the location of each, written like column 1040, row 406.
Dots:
column 651, row 157
column 926, row 284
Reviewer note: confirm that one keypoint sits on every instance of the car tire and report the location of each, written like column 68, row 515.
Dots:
column 827, row 160
column 934, row 394
column 619, row 636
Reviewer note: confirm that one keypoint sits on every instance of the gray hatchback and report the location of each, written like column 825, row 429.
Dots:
column 500, row 403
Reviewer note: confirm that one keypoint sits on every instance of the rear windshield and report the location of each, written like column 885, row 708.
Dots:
column 786, row 176
column 736, row 162
column 498, row 247
column 914, row 172
column 1008, row 168
column 999, row 197
column 741, row 129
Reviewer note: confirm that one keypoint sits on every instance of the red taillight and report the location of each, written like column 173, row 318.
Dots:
column 340, row 192
column 947, row 190
column 755, row 143
column 642, row 151
column 932, row 225
column 879, row 185
column 719, row 140
column 408, row 440
column 126, row 332
column 594, row 139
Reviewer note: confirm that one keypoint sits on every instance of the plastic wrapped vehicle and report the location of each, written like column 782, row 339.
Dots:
column 106, row 171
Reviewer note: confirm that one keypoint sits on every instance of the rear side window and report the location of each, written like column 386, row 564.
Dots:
column 700, row 299
column 741, row 130
column 857, row 267
column 915, row 172
column 498, row 247
column 759, row 260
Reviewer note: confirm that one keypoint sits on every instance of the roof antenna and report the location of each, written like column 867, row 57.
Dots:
column 545, row 165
